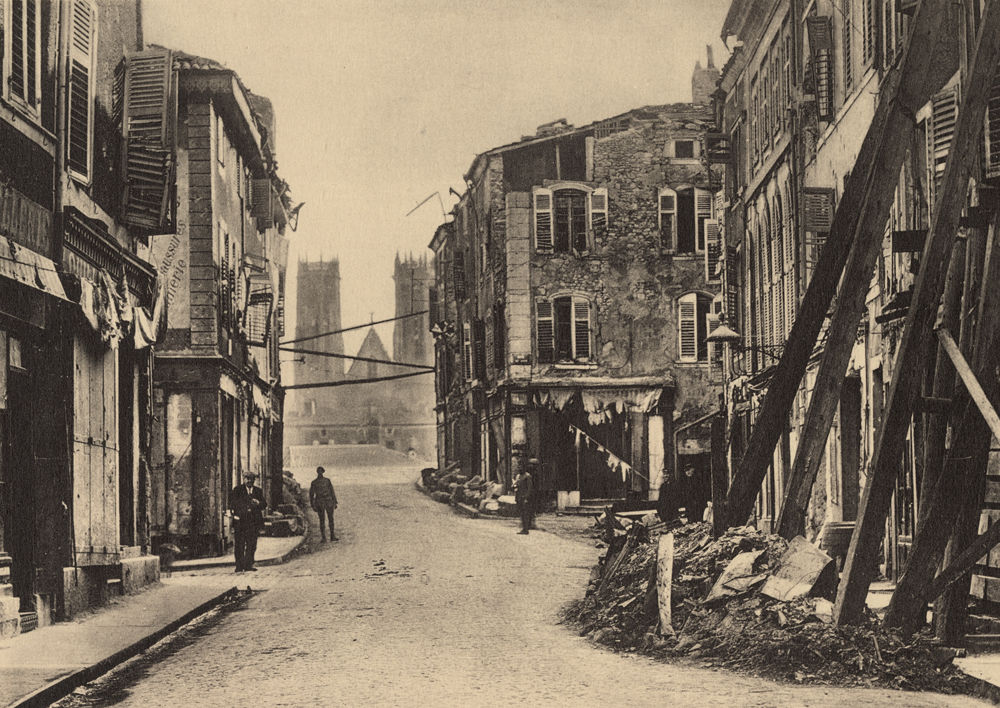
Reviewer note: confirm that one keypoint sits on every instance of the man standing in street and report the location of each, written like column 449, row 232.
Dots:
column 323, row 500
column 523, row 495
column 246, row 501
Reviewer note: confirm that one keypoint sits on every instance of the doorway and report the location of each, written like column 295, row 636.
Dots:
column 19, row 478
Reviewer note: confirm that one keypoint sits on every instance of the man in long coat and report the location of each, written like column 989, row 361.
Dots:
column 246, row 501
column 323, row 500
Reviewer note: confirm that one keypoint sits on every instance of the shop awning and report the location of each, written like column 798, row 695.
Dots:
column 602, row 397
column 29, row 268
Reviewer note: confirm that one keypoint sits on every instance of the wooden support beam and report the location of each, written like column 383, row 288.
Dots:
column 665, row 580
column 904, row 92
column 963, row 564
column 890, row 437
column 971, row 383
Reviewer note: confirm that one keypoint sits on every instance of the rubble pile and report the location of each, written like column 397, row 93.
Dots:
column 724, row 612
column 449, row 486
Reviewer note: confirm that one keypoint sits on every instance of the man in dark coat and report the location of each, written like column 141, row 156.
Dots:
column 524, row 495
column 323, row 500
column 247, row 504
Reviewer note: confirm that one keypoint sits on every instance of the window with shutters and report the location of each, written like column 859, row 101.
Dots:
column 80, row 89
column 940, row 131
column 821, row 51
column 846, row 33
column 684, row 215
column 22, row 56
column 693, row 312
column 569, row 220
column 147, row 130
column 713, row 251
column 818, row 209
column 467, row 365
column 992, row 132
column 563, row 330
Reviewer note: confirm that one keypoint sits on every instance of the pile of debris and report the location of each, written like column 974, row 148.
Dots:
column 748, row 602
column 450, row 486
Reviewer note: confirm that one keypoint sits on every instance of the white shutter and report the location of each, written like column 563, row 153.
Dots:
column 687, row 327
column 598, row 213
column 80, row 123
column 702, row 212
column 543, row 218
column 581, row 329
column 713, row 251
column 545, row 331
column 668, row 218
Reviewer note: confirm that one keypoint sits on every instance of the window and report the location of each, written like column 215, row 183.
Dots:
column 22, row 27
column 80, row 125
column 568, row 220
column 683, row 217
column 693, row 313
column 467, row 351
column 562, row 328
column 684, row 148
column 821, row 47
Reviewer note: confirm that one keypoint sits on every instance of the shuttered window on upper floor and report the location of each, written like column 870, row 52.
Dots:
column 563, row 330
column 147, row 132
column 940, row 131
column 22, row 53
column 569, row 220
column 80, row 88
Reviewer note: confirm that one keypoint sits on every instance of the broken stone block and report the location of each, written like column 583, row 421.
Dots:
column 803, row 570
column 738, row 576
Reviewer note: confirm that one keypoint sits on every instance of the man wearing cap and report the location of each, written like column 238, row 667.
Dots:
column 246, row 501
column 524, row 495
column 323, row 500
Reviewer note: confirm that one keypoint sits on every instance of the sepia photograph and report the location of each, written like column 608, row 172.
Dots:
column 499, row 353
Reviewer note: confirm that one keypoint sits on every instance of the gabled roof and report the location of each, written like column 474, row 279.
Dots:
column 371, row 348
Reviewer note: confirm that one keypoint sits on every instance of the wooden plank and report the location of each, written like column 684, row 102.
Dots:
column 903, row 92
column 971, row 383
column 664, row 580
column 890, row 437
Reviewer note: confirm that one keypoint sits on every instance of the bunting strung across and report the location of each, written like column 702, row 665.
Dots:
column 614, row 463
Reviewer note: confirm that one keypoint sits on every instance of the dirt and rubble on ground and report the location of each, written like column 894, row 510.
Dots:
column 450, row 486
column 733, row 621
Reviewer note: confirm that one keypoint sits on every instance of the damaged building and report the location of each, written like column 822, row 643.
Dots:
column 201, row 172
column 76, row 324
column 575, row 289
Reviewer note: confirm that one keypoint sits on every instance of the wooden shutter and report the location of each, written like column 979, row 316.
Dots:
column 543, row 219
column 818, row 207
column 545, row 331
column 992, row 132
column 847, row 31
column 458, row 272
column 261, row 208
column 148, row 135
column 821, row 47
column 23, row 49
column 668, row 218
column 687, row 327
column 434, row 311
column 80, row 123
column 712, row 321
column 702, row 212
column 467, row 351
column 479, row 349
column 598, row 213
column 713, row 250
column 940, row 130
column 581, row 328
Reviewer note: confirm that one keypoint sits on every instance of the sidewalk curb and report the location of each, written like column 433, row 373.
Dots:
column 202, row 564
column 459, row 507
column 62, row 687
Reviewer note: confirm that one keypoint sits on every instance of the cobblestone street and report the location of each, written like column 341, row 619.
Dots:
column 419, row 606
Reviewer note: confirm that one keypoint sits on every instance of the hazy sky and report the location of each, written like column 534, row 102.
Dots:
column 382, row 103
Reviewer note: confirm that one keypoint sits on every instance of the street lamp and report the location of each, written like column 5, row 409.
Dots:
column 723, row 334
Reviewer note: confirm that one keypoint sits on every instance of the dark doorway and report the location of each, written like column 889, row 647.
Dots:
column 19, row 478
